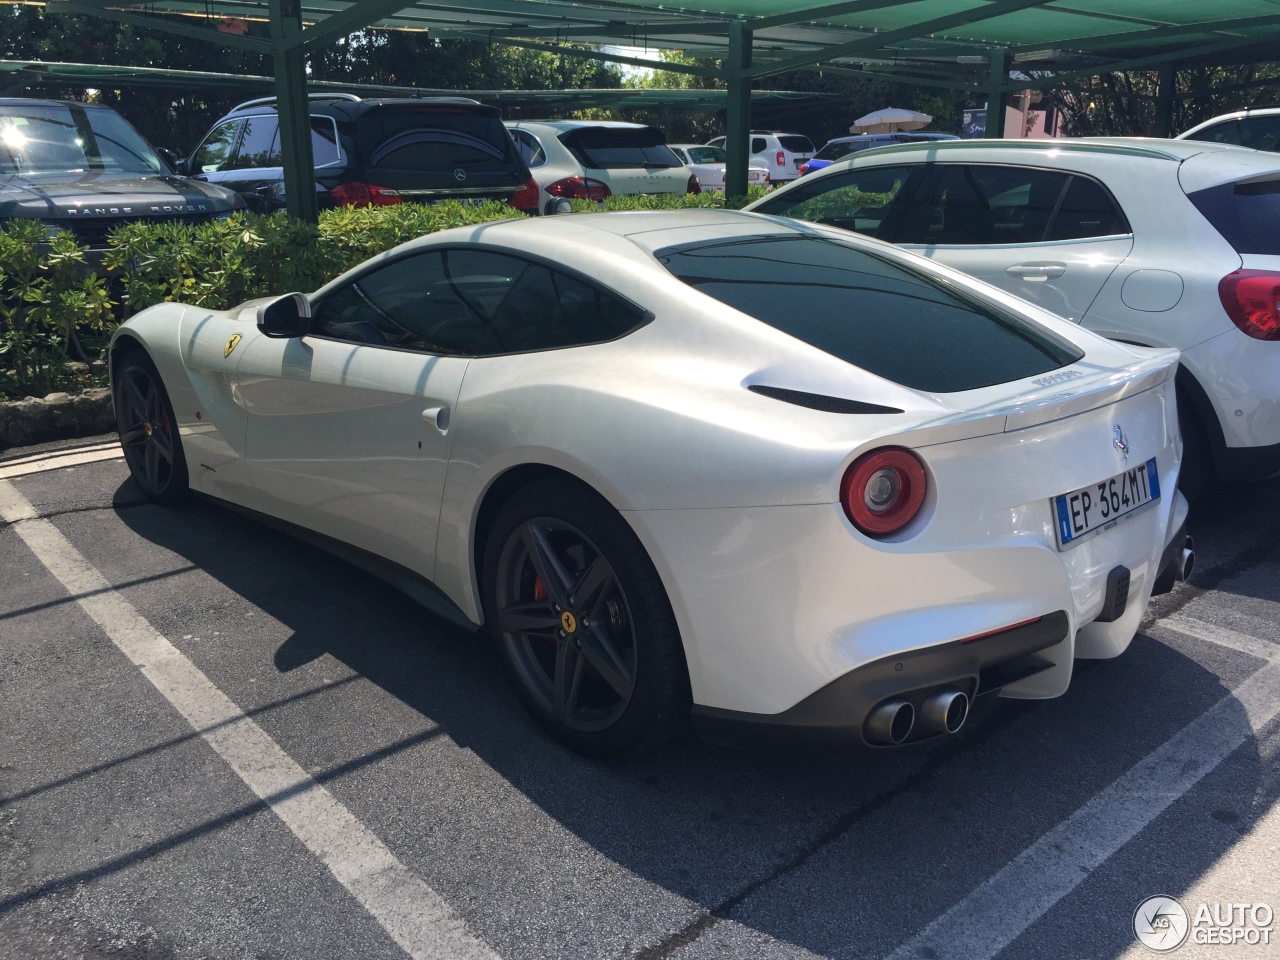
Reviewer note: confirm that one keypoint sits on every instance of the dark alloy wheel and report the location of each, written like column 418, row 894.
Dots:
column 582, row 623
column 148, row 430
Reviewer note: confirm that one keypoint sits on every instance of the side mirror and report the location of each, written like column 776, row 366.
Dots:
column 172, row 159
column 285, row 317
column 182, row 167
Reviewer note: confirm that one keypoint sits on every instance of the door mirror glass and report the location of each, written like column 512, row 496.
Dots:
column 285, row 317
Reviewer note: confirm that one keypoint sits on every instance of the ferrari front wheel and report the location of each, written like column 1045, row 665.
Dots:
column 582, row 623
column 149, row 430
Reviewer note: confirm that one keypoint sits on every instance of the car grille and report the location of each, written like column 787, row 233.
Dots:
column 93, row 231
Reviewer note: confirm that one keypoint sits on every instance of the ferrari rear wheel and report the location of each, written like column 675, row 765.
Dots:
column 149, row 430
column 582, row 623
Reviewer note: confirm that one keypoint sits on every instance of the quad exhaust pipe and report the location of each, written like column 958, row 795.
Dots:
column 891, row 722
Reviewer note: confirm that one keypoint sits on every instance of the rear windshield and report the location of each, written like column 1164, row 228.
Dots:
column 610, row 148
column 796, row 143
column 1247, row 214
column 834, row 151
column 434, row 138
column 706, row 155
column 898, row 324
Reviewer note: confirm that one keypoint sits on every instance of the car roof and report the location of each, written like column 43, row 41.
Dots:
column 577, row 124
column 40, row 101
column 354, row 108
column 1146, row 147
column 1234, row 115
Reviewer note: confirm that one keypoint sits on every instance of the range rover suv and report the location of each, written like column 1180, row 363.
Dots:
column 370, row 153
column 82, row 167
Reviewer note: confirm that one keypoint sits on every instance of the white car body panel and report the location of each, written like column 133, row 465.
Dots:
column 734, row 495
column 1158, row 287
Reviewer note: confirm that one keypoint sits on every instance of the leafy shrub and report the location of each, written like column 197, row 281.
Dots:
column 55, row 308
column 669, row 201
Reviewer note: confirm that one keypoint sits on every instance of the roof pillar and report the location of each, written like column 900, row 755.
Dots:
column 290, row 67
column 1164, row 99
column 737, row 126
column 997, row 92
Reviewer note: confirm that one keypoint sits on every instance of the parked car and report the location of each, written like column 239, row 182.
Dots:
column 1259, row 129
column 701, row 459
column 1171, row 243
column 707, row 164
column 595, row 159
column 782, row 153
column 82, row 167
column 370, row 153
column 841, row 147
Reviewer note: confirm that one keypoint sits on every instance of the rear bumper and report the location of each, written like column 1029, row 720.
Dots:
column 837, row 711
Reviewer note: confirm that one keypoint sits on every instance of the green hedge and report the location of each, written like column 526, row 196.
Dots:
column 56, row 307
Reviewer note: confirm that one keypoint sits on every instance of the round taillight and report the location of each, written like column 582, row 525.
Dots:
column 882, row 491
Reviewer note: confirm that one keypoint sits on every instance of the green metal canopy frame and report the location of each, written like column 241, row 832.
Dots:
column 961, row 44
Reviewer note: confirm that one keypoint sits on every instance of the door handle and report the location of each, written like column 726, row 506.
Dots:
column 1035, row 272
column 438, row 417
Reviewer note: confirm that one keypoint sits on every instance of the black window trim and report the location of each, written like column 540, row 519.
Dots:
column 934, row 170
column 646, row 315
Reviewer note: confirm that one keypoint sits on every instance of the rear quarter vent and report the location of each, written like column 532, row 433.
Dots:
column 820, row 401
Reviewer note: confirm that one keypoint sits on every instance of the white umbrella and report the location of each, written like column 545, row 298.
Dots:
column 890, row 119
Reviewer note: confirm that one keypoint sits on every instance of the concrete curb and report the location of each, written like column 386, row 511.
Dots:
column 59, row 416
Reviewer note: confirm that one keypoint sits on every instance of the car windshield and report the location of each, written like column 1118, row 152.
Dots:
column 900, row 324
column 436, row 138
column 71, row 138
column 609, row 148
column 706, row 155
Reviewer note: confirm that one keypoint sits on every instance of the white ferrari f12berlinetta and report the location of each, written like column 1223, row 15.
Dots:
column 761, row 473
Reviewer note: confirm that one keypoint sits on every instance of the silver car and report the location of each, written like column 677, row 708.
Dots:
column 1163, row 243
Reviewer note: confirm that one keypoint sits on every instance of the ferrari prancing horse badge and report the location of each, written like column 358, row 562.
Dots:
column 231, row 345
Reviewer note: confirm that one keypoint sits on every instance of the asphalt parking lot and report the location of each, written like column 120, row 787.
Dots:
column 219, row 742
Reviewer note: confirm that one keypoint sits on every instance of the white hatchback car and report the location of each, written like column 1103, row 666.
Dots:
column 1166, row 243
column 592, row 160
column 782, row 153
column 707, row 164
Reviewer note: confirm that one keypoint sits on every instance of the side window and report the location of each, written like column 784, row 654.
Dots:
column 985, row 205
column 758, row 144
column 438, row 302
column 212, row 155
column 680, row 155
column 717, row 142
column 1087, row 210
column 856, row 200
column 324, row 142
column 259, row 144
column 548, row 309
column 530, row 147
column 1261, row 133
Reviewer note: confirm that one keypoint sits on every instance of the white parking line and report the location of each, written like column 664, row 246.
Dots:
column 410, row 911
column 1222, row 636
column 42, row 464
column 1000, row 909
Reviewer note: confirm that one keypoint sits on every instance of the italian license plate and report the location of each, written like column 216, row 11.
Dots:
column 1096, row 507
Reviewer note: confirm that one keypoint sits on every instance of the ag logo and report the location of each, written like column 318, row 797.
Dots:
column 568, row 621
column 1161, row 923
column 231, row 345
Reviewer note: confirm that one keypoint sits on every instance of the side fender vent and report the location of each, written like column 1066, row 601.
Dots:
column 820, row 401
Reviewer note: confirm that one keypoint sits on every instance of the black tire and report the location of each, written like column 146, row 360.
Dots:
column 149, row 430
column 593, row 649
column 1197, row 455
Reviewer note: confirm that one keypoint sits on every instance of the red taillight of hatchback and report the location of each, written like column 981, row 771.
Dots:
column 527, row 197
column 804, row 168
column 694, row 185
column 1252, row 301
column 781, row 158
column 882, row 491
column 579, row 188
column 353, row 193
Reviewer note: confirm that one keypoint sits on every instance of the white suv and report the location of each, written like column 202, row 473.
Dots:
column 782, row 153
column 592, row 160
column 1259, row 129
column 1168, row 243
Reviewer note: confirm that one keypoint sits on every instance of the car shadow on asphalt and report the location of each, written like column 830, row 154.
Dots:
column 721, row 827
